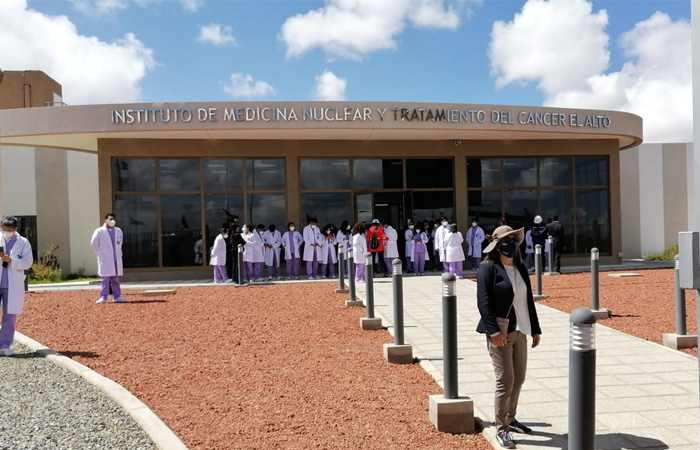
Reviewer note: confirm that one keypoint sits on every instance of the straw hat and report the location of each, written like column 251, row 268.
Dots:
column 503, row 232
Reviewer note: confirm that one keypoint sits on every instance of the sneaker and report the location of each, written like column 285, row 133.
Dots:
column 519, row 427
column 6, row 352
column 120, row 300
column 504, row 439
column 101, row 300
column 258, row 280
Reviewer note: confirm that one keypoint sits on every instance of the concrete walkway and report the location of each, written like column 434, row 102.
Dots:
column 646, row 394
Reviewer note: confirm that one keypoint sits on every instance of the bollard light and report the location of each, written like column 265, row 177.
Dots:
column 397, row 281
column 595, row 297
column 681, row 328
column 582, row 373
column 396, row 267
column 449, row 285
column 449, row 334
column 550, row 254
column 240, row 264
column 369, row 282
column 538, row 271
column 351, row 275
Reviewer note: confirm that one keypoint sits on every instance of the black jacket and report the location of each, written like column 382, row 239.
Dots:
column 556, row 230
column 494, row 295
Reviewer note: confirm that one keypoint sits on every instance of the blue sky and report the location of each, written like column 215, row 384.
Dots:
column 630, row 55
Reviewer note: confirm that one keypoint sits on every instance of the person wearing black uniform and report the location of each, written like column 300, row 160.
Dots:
column 556, row 230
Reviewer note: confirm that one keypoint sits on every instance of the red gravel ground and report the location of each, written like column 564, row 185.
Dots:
column 281, row 366
column 287, row 366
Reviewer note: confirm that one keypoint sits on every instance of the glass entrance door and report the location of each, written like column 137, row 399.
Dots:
column 392, row 207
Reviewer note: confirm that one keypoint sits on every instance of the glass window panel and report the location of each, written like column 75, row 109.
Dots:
column 483, row 172
column 137, row 216
column 592, row 171
column 520, row 172
column 520, row 207
column 134, row 175
column 267, row 209
column 560, row 202
column 265, row 174
column 363, row 206
column 593, row 220
column 181, row 220
column 556, row 172
column 223, row 174
column 487, row 205
column 429, row 173
column 433, row 205
column 179, row 175
column 220, row 209
column 325, row 173
column 327, row 208
column 378, row 173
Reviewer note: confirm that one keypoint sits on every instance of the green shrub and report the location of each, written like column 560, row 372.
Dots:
column 668, row 255
column 46, row 268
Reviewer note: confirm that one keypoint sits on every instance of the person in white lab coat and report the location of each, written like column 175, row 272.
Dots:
column 344, row 240
column 253, row 254
column 440, row 233
column 359, row 249
column 419, row 248
column 475, row 236
column 408, row 235
column 391, row 248
column 107, row 242
column 454, row 254
column 328, row 254
column 273, row 241
column 16, row 256
column 529, row 250
column 218, row 257
column 292, row 240
column 313, row 240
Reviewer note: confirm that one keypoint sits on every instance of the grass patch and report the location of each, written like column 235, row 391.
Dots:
column 668, row 255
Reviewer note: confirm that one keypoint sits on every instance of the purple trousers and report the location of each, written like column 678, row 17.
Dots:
column 312, row 267
column 7, row 332
column 112, row 282
column 253, row 270
column 220, row 274
column 360, row 272
column 293, row 266
column 457, row 268
column 274, row 269
column 475, row 262
column 419, row 263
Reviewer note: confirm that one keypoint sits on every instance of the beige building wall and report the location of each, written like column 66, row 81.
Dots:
column 18, row 181
column 83, row 210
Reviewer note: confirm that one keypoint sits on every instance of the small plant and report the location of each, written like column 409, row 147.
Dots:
column 668, row 255
column 46, row 268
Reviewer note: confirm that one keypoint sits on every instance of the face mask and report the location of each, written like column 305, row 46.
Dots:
column 8, row 234
column 313, row 227
column 444, row 224
column 111, row 222
column 410, row 227
column 225, row 236
column 328, row 231
column 245, row 229
column 473, row 224
column 348, row 228
column 508, row 250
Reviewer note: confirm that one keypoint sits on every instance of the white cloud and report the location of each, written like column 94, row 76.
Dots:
column 569, row 65
column 98, row 8
column 192, row 5
column 351, row 28
column 243, row 86
column 329, row 87
column 216, row 34
column 90, row 71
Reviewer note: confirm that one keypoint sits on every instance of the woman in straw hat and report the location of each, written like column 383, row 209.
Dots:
column 508, row 315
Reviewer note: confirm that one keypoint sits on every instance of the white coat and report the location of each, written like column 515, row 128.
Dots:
column 313, row 240
column 254, row 247
column 440, row 241
column 273, row 238
column 453, row 247
column 424, row 239
column 479, row 236
column 22, row 260
column 297, row 240
column 328, row 244
column 359, row 248
column 529, row 248
column 102, row 245
column 408, row 235
column 218, row 252
column 391, row 246
column 343, row 241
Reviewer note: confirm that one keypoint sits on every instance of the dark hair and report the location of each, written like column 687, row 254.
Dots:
column 272, row 227
column 555, row 217
column 9, row 221
column 289, row 224
column 313, row 220
column 453, row 228
column 260, row 226
column 223, row 230
column 358, row 228
column 108, row 215
column 344, row 226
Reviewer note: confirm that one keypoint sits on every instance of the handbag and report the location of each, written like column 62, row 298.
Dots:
column 503, row 322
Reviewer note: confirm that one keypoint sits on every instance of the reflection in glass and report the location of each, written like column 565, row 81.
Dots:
column 137, row 216
column 181, row 227
column 363, row 207
column 179, row 175
column 556, row 172
column 520, row 172
column 483, row 172
column 267, row 209
column 265, row 174
column 134, row 174
column 220, row 209
column 223, row 174
column 433, row 205
column 378, row 173
column 429, row 173
column 592, row 171
column 487, row 205
column 327, row 208
column 520, row 207
column 593, row 223
column 560, row 202
column 325, row 173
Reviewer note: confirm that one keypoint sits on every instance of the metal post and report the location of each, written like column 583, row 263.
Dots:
column 595, row 303
column 341, row 269
column 397, row 280
column 680, row 299
column 582, row 372
column 449, row 334
column 550, row 254
column 538, row 269
column 369, row 280
column 240, row 264
column 351, row 275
